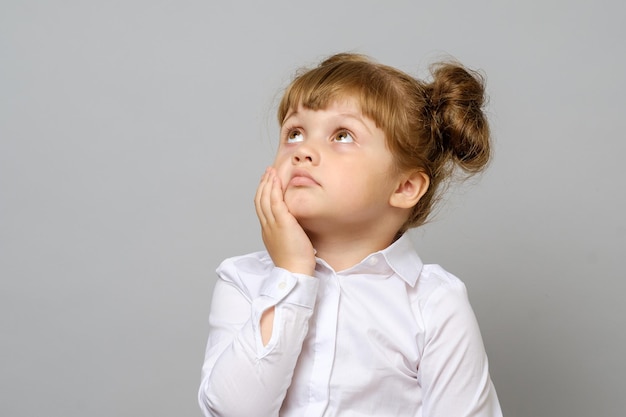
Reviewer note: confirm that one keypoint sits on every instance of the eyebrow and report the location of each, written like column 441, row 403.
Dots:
column 358, row 117
column 355, row 116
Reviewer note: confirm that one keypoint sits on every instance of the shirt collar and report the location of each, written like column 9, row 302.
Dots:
column 399, row 258
column 402, row 257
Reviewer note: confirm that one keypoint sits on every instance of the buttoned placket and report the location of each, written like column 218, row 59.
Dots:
column 324, row 345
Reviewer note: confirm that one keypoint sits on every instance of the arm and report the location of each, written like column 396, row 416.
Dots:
column 241, row 375
column 284, row 238
column 254, row 343
column 454, row 372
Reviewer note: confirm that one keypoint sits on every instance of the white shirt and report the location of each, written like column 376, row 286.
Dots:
column 387, row 337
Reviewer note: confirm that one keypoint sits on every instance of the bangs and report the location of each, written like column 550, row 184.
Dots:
column 367, row 82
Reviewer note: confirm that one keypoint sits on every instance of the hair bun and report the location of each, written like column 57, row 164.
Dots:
column 456, row 97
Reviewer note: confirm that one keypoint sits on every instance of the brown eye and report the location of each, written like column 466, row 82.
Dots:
column 294, row 136
column 344, row 137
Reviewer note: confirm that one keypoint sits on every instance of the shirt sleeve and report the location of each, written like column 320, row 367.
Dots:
column 241, row 376
column 454, row 371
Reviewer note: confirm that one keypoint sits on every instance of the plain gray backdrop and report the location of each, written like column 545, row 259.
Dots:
column 133, row 135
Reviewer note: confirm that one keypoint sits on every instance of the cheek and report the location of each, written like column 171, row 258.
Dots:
column 281, row 164
column 282, row 157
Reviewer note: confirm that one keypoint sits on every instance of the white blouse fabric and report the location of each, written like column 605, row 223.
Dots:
column 387, row 337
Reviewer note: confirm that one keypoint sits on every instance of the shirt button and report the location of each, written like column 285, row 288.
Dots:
column 282, row 285
column 373, row 261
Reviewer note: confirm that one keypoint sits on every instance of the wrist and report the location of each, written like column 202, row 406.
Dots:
column 298, row 267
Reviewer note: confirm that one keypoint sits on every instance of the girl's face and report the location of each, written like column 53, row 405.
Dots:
column 335, row 169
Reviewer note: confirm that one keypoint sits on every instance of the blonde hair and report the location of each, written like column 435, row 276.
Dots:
column 433, row 127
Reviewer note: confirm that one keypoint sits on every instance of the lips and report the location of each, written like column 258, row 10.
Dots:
column 301, row 178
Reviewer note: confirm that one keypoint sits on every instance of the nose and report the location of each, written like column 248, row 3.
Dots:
column 305, row 154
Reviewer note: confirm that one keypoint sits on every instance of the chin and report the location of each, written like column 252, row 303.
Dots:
column 300, row 211
column 297, row 201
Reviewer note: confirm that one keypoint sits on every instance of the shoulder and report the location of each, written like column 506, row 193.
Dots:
column 246, row 272
column 434, row 279
column 441, row 307
column 438, row 291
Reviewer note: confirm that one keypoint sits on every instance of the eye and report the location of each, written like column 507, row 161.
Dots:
column 294, row 136
column 343, row 137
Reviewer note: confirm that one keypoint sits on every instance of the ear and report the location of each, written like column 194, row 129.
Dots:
column 410, row 189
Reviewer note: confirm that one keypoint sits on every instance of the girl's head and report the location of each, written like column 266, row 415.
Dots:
column 432, row 127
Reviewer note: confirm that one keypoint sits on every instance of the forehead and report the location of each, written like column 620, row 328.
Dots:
column 372, row 100
column 348, row 106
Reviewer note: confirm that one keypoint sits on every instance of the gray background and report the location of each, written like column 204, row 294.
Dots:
column 133, row 134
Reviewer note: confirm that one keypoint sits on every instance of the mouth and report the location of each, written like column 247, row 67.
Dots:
column 301, row 178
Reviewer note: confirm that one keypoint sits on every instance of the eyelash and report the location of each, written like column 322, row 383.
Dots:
column 290, row 132
column 344, row 132
column 340, row 131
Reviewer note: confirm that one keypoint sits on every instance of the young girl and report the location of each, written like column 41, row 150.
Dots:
column 340, row 317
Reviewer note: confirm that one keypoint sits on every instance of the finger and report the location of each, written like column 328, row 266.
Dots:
column 257, row 195
column 264, row 201
column 277, row 202
column 258, row 198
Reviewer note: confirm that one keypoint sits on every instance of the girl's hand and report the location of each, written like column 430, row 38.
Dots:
column 284, row 238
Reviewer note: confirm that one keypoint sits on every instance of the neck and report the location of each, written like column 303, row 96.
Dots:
column 344, row 251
